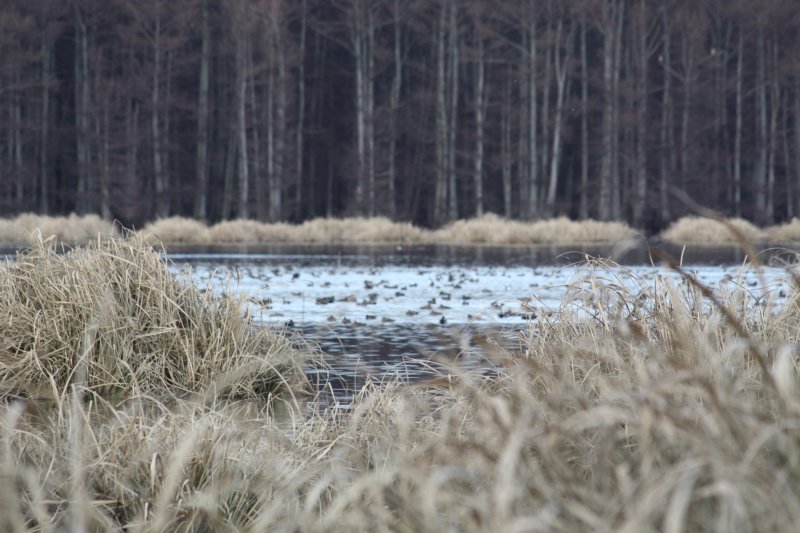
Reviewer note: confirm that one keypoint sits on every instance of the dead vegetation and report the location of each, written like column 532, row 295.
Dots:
column 707, row 231
column 668, row 406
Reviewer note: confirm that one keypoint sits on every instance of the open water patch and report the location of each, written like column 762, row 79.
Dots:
column 379, row 320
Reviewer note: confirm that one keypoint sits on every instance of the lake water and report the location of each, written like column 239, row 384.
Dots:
column 390, row 312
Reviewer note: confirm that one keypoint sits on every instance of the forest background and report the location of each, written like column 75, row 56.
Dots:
column 419, row 110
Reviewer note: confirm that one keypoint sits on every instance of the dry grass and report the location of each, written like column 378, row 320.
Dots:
column 665, row 407
column 491, row 229
column 788, row 232
column 74, row 229
column 706, row 231
column 357, row 230
column 250, row 231
column 112, row 318
column 176, row 230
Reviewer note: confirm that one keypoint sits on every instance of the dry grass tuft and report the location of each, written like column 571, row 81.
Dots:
column 250, row 231
column 706, row 231
column 492, row 229
column 112, row 318
column 356, row 230
column 788, row 232
column 176, row 230
column 73, row 229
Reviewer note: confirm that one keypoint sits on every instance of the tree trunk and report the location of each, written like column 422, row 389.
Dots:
column 301, row 112
column 44, row 146
column 505, row 149
column 82, row 111
column 762, row 135
column 737, row 143
column 453, row 47
column 667, row 168
column 584, row 201
column 276, row 184
column 607, row 180
column 797, row 137
column 105, row 172
column 480, row 111
column 561, row 65
column 201, row 170
column 159, row 176
column 643, row 52
column 440, row 187
column 394, row 110
column 533, row 120
column 776, row 102
column 243, row 173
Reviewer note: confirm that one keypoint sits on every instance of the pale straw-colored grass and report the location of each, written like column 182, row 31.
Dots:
column 494, row 230
column 72, row 229
column 788, row 232
column 176, row 230
column 666, row 406
column 251, row 231
column 114, row 312
column 357, row 230
column 706, row 231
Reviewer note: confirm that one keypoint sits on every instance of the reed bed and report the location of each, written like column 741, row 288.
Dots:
column 492, row 229
column 488, row 229
column 670, row 406
column 72, row 229
column 707, row 231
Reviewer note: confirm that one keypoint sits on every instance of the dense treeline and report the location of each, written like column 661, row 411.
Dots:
column 423, row 110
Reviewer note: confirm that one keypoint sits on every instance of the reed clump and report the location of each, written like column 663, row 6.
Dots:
column 665, row 405
column 251, row 232
column 176, row 230
column 495, row 230
column 488, row 229
column 112, row 318
column 707, row 231
column 788, row 232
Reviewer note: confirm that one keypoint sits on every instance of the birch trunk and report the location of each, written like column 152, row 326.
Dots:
column 561, row 66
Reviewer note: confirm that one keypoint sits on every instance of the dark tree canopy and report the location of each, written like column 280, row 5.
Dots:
column 420, row 110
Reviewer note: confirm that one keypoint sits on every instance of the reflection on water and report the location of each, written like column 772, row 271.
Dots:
column 632, row 253
column 357, row 355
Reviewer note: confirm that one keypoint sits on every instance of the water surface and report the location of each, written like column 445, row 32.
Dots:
column 408, row 313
